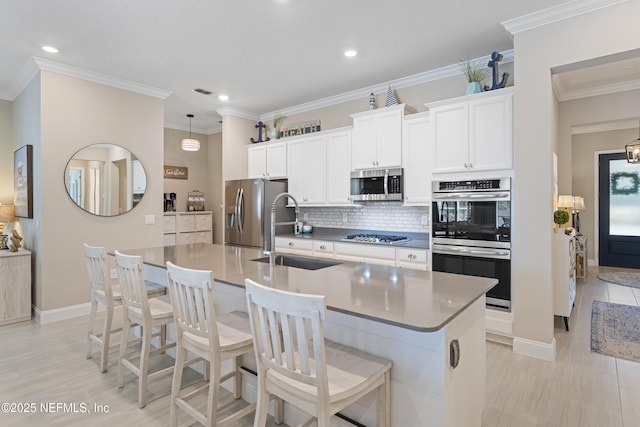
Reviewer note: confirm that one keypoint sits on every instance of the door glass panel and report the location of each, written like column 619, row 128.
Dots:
column 624, row 202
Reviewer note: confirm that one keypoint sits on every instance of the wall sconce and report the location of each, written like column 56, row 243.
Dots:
column 190, row 144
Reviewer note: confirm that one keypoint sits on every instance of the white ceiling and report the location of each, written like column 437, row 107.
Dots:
column 266, row 55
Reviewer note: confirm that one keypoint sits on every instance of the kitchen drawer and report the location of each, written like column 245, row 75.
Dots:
column 203, row 237
column 186, row 238
column 411, row 258
column 169, row 224
column 294, row 246
column 203, row 222
column 186, row 222
column 169, row 239
column 365, row 253
column 322, row 249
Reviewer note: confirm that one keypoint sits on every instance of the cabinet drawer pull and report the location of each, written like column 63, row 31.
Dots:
column 412, row 256
column 291, row 244
column 454, row 353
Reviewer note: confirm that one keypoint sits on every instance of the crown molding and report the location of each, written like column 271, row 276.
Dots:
column 237, row 112
column 556, row 13
column 605, row 126
column 358, row 94
column 36, row 64
column 563, row 94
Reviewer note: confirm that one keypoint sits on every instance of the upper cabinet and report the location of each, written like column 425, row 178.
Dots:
column 377, row 138
column 319, row 167
column 417, row 159
column 473, row 133
column 267, row 160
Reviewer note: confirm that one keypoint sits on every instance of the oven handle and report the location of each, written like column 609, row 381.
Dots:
column 471, row 251
column 470, row 195
column 386, row 182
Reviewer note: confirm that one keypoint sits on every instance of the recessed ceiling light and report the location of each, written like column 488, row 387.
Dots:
column 350, row 53
column 50, row 49
column 223, row 97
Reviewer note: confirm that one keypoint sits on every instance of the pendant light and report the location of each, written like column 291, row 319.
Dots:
column 190, row 144
column 633, row 150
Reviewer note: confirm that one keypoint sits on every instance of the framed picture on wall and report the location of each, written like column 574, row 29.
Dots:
column 23, row 181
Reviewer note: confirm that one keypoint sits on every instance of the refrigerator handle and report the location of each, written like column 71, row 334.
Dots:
column 235, row 209
column 241, row 210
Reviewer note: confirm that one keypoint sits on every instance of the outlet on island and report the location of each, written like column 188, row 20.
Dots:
column 344, row 218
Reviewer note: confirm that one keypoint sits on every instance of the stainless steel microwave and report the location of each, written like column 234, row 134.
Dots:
column 376, row 185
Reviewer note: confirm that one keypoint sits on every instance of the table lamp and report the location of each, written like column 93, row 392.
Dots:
column 7, row 214
column 578, row 205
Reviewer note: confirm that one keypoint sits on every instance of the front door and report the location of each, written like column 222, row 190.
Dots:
column 619, row 211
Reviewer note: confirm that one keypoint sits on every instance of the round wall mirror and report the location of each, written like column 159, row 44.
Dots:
column 105, row 179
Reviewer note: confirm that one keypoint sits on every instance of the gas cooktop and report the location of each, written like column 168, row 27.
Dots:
column 376, row 238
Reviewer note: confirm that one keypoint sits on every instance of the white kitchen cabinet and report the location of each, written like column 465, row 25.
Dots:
column 307, row 170
column 319, row 168
column 377, row 138
column 473, row 133
column 322, row 249
column 413, row 258
column 564, row 275
column 374, row 254
column 417, row 159
column 294, row 245
column 338, row 146
column 267, row 160
column 188, row 227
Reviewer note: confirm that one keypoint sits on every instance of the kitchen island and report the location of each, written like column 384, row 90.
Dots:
column 425, row 322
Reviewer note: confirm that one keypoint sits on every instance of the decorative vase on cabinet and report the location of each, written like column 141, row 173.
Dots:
column 473, row 87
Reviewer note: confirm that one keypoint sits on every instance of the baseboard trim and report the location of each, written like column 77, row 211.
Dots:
column 537, row 349
column 499, row 323
column 64, row 313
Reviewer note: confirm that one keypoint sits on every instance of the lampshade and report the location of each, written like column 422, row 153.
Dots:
column 565, row 201
column 578, row 203
column 190, row 144
column 7, row 213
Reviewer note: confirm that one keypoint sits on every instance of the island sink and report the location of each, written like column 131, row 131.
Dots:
column 299, row 262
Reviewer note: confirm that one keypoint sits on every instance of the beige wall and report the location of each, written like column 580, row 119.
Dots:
column 69, row 114
column 6, row 153
column 197, row 164
column 537, row 134
column 214, row 172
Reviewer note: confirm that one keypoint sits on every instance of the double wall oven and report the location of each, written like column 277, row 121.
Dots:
column 471, row 230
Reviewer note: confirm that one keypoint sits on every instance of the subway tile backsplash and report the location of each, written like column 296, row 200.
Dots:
column 387, row 216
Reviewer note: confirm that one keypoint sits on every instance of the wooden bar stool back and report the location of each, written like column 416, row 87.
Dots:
column 143, row 311
column 102, row 292
column 296, row 364
column 213, row 338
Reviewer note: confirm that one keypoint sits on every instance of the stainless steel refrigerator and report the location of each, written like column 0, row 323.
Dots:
column 247, row 207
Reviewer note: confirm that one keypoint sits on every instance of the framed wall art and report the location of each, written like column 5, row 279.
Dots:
column 23, row 181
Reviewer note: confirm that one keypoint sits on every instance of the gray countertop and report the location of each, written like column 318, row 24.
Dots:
column 416, row 240
column 419, row 300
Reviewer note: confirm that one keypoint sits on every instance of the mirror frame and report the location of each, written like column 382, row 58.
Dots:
column 117, row 164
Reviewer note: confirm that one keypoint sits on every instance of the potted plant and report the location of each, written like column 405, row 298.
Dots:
column 475, row 72
column 560, row 217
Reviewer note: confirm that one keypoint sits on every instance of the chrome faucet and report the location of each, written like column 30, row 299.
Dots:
column 271, row 249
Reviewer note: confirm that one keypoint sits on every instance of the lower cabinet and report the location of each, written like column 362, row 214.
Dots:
column 412, row 258
column 15, row 286
column 182, row 228
column 564, row 275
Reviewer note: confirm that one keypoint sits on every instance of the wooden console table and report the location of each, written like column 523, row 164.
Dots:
column 15, row 286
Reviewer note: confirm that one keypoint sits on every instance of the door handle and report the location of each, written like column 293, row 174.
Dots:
column 454, row 354
column 241, row 212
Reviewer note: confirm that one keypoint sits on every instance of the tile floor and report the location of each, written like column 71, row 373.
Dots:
column 46, row 364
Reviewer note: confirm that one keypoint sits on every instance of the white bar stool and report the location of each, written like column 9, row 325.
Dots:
column 213, row 338
column 103, row 292
column 296, row 364
column 143, row 311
